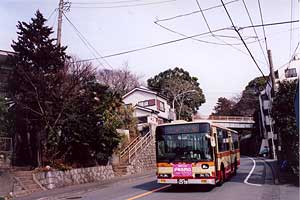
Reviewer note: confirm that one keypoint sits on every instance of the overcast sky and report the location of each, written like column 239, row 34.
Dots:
column 222, row 71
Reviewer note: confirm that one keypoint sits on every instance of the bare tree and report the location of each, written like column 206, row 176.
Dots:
column 119, row 80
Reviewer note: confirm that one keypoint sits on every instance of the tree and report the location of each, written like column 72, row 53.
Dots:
column 4, row 123
column 249, row 102
column 283, row 113
column 119, row 81
column 178, row 86
column 224, row 107
column 33, row 84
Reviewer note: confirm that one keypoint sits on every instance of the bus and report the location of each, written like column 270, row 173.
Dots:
column 198, row 152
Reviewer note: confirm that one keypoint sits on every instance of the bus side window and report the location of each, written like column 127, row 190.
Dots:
column 235, row 141
column 220, row 140
column 223, row 144
column 226, row 140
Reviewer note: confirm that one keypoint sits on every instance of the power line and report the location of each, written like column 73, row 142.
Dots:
column 125, row 6
column 262, row 22
column 181, row 39
column 49, row 17
column 106, row 2
column 155, row 45
column 291, row 32
column 87, row 43
column 206, row 22
column 261, row 48
column 269, row 24
column 203, row 41
column 244, row 42
column 290, row 59
column 194, row 12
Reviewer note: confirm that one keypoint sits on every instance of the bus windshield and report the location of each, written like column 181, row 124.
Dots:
column 183, row 143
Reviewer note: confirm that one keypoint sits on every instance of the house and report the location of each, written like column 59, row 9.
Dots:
column 289, row 71
column 149, row 106
column 5, row 70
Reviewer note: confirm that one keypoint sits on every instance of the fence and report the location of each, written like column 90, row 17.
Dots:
column 5, row 152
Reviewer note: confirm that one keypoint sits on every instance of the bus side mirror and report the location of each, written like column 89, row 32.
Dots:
column 212, row 141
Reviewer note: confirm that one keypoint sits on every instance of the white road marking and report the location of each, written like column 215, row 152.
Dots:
column 251, row 171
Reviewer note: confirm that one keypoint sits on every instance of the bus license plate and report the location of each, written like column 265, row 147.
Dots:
column 182, row 181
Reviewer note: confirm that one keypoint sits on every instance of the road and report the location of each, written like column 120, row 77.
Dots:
column 257, row 185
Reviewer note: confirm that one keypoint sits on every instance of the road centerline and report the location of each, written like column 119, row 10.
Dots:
column 150, row 192
column 250, row 173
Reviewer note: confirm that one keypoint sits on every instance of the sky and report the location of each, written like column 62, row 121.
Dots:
column 114, row 26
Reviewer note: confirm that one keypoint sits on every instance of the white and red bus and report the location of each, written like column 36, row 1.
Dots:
column 198, row 152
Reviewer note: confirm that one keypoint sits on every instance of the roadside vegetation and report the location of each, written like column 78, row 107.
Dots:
column 62, row 115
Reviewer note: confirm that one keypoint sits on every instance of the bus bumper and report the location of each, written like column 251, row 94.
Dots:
column 187, row 181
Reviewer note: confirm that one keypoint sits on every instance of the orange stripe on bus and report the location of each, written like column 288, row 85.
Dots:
column 193, row 164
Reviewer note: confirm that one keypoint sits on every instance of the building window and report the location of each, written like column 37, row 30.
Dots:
column 276, row 74
column 150, row 102
column 290, row 73
column 160, row 106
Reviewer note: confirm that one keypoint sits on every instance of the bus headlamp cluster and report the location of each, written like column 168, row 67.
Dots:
column 164, row 175
column 205, row 166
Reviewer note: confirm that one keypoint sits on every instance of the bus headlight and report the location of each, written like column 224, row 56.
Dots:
column 205, row 166
column 164, row 175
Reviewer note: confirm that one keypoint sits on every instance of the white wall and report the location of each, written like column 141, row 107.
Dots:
column 138, row 96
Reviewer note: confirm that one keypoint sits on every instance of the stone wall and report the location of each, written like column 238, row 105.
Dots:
column 145, row 160
column 56, row 179
column 5, row 160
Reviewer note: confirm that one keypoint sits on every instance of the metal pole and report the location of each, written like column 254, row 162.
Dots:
column 59, row 24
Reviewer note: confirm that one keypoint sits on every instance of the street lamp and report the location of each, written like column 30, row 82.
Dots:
column 173, row 103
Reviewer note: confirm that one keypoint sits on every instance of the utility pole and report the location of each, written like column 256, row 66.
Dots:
column 60, row 13
column 272, row 74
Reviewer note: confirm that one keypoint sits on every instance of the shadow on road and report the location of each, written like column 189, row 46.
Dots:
column 189, row 188
column 174, row 188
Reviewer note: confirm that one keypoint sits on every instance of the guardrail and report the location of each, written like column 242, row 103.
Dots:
column 126, row 149
column 227, row 118
column 142, row 143
column 5, row 144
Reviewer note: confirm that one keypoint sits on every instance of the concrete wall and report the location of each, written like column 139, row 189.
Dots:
column 56, row 179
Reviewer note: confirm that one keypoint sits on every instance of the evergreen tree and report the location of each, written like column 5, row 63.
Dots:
column 33, row 85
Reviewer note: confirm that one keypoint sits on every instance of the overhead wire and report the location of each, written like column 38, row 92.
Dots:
column 194, row 12
column 204, row 41
column 291, row 27
column 126, row 6
column 269, row 24
column 106, row 2
column 290, row 59
column 182, row 39
column 262, row 22
column 88, row 44
column 155, row 45
column 206, row 22
column 251, row 55
column 49, row 17
column 261, row 48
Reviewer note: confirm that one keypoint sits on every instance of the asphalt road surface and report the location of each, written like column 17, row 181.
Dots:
column 252, row 182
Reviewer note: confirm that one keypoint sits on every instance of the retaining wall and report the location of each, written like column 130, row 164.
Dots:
column 56, row 179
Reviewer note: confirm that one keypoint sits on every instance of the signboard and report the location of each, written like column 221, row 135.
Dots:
column 187, row 128
column 182, row 170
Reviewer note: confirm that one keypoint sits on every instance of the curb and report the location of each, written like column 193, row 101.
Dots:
column 273, row 169
column 78, row 188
